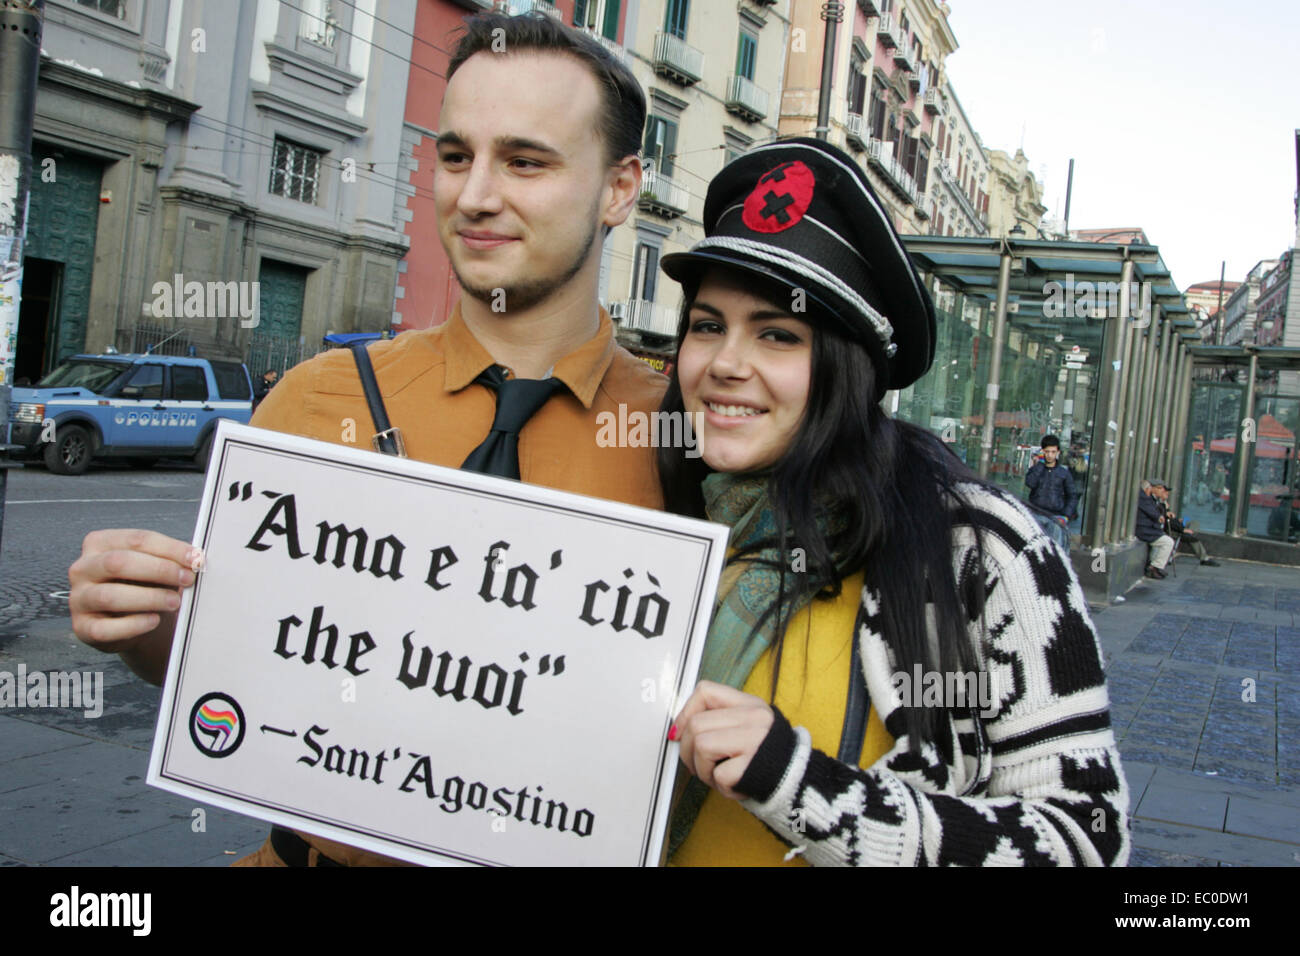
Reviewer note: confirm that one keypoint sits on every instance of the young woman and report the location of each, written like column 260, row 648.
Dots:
column 901, row 669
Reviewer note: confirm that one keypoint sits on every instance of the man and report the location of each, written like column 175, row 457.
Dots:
column 1174, row 525
column 269, row 378
column 1151, row 529
column 537, row 156
column 1051, row 489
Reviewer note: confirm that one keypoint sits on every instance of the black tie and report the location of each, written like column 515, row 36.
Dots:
column 517, row 400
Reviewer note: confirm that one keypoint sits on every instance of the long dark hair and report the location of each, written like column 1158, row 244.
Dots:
column 895, row 485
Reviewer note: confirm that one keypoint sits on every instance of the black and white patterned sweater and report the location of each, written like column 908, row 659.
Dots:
column 1036, row 783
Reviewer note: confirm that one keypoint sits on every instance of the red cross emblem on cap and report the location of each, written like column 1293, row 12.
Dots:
column 780, row 199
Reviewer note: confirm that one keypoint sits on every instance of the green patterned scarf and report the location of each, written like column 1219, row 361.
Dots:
column 747, row 590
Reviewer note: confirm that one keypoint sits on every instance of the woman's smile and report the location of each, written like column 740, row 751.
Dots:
column 745, row 365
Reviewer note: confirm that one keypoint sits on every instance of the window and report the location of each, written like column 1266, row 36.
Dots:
column 295, row 171
column 922, row 165
column 675, row 18
column 110, row 8
column 232, row 380
column 645, row 271
column 746, row 54
column 661, row 143
column 857, row 84
column 189, row 384
column 598, row 16
column 145, row 383
column 877, row 118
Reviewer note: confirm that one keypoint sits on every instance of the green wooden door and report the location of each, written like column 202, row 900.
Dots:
column 61, row 224
column 281, row 294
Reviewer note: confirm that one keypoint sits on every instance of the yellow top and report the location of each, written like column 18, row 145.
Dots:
column 812, row 693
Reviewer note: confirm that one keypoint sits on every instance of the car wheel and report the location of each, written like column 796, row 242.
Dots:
column 69, row 453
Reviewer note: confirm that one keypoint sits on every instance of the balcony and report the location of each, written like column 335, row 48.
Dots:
column 745, row 99
column 887, row 31
column 912, row 113
column 519, row 7
column 640, row 315
column 615, row 48
column 663, row 197
column 677, row 59
column 869, row 8
column 904, row 58
column 855, row 131
column 933, row 103
column 922, row 206
column 881, row 156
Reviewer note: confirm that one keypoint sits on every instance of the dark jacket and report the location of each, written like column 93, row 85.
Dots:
column 1148, row 519
column 1052, row 489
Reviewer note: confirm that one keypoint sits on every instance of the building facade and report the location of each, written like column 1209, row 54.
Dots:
column 961, row 197
column 215, row 175
column 1239, row 309
column 1015, row 195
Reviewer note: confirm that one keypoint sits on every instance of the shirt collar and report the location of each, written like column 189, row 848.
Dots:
column 582, row 370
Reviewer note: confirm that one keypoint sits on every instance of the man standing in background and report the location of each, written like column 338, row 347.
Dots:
column 1051, row 489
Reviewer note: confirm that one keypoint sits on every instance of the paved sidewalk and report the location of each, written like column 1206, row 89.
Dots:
column 1215, row 775
column 1204, row 675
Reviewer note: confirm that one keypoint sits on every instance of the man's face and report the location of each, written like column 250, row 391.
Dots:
column 1050, row 454
column 521, row 184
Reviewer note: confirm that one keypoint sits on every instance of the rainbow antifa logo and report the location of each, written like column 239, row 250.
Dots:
column 217, row 725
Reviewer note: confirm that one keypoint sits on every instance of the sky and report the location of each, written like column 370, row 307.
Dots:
column 1180, row 117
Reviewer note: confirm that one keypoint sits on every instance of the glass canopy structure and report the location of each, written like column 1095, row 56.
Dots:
column 1088, row 341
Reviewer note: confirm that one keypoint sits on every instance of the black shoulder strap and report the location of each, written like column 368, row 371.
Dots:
column 858, row 705
column 386, row 439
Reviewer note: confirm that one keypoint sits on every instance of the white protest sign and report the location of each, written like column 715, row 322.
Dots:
column 432, row 664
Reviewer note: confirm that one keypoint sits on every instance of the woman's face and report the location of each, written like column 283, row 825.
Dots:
column 745, row 365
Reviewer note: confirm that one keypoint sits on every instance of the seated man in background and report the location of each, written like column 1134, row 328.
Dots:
column 1151, row 529
column 1175, row 526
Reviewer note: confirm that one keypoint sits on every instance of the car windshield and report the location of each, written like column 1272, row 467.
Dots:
column 94, row 376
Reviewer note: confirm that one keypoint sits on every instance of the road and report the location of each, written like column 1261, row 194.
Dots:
column 72, row 788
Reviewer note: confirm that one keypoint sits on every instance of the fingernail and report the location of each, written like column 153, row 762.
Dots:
column 195, row 559
column 173, row 601
column 673, row 733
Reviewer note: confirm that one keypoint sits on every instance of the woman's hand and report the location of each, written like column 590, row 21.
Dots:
column 720, row 729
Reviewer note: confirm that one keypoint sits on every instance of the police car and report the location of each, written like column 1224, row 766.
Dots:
column 134, row 407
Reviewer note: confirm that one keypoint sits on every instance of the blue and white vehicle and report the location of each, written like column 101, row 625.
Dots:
column 134, row 407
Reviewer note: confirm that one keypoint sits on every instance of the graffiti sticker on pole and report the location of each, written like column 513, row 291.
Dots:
column 432, row 664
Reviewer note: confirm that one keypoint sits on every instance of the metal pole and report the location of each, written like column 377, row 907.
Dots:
column 1104, row 438
column 1069, row 188
column 1161, row 403
column 1241, row 487
column 1147, row 395
column 21, row 22
column 1171, row 359
column 1178, row 456
column 995, row 363
column 1123, row 373
column 1218, row 313
column 832, row 13
column 1131, row 406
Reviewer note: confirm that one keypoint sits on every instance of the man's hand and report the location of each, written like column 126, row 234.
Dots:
column 721, row 729
column 125, row 589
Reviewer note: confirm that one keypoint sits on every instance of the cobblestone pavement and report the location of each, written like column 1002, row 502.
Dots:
column 1204, row 672
column 1204, row 676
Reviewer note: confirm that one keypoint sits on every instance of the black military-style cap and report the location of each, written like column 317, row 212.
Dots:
column 802, row 213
